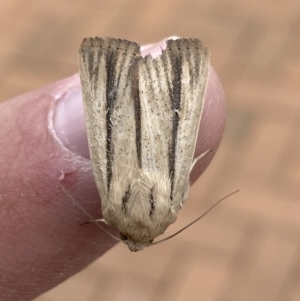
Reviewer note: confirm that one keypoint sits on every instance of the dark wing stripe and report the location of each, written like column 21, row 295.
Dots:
column 152, row 202
column 125, row 199
column 138, row 121
column 115, row 64
column 111, row 92
column 91, row 64
column 176, row 65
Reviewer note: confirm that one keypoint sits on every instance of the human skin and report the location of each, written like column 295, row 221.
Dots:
column 43, row 134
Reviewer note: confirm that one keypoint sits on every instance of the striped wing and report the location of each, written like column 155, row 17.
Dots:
column 171, row 97
column 105, row 66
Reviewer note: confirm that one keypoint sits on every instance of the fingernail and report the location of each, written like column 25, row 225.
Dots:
column 69, row 122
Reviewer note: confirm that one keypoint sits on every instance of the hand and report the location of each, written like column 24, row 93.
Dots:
column 43, row 133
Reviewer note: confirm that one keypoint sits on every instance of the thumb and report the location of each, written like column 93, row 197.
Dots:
column 42, row 242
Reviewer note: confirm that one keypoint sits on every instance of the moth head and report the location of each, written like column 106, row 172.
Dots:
column 135, row 246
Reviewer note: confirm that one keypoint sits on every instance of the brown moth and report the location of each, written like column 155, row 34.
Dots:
column 142, row 116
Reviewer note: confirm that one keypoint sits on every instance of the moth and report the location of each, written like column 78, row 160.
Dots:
column 142, row 116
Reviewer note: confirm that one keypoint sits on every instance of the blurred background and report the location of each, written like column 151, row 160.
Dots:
column 248, row 248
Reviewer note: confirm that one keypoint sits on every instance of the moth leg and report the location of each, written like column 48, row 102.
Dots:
column 186, row 193
column 199, row 157
column 101, row 220
column 188, row 181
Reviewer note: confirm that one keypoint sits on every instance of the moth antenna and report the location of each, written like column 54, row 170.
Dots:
column 196, row 220
column 82, row 209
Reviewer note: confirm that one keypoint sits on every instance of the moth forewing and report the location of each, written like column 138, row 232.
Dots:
column 143, row 116
column 193, row 86
column 104, row 72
